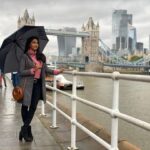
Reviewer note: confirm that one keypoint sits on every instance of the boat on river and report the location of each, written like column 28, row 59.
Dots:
column 63, row 83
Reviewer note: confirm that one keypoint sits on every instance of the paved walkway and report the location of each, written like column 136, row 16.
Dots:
column 10, row 122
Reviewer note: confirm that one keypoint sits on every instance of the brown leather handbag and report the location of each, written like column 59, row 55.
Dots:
column 18, row 93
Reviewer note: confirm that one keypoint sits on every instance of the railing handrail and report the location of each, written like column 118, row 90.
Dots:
column 109, row 111
column 139, row 78
column 113, row 112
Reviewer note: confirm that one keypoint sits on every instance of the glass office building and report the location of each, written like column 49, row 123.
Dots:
column 123, row 33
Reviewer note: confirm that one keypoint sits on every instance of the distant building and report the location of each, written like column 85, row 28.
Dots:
column 25, row 20
column 123, row 33
column 145, row 51
column 132, row 38
column 90, row 44
column 139, row 48
column 65, row 43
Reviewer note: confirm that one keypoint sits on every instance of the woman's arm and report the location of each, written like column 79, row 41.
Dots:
column 52, row 72
column 48, row 70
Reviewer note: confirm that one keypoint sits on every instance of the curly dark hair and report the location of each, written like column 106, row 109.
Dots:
column 39, row 55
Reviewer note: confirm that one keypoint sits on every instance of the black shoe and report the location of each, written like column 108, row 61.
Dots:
column 30, row 133
column 24, row 134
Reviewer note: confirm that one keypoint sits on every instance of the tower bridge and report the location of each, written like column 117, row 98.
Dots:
column 93, row 47
column 104, row 50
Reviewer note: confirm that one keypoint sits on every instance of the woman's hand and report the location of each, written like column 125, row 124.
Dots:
column 37, row 66
column 58, row 71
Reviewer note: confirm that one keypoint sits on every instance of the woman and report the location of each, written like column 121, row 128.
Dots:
column 32, row 79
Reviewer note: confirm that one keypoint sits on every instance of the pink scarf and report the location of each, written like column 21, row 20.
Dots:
column 37, row 73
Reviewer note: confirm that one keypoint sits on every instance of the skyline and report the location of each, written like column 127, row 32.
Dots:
column 65, row 13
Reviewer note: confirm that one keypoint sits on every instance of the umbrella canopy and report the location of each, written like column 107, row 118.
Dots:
column 13, row 47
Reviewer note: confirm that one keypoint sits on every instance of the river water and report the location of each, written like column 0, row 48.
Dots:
column 134, row 100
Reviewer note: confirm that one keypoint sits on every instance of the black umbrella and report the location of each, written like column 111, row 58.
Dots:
column 13, row 47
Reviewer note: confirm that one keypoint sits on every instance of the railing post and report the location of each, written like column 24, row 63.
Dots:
column 115, row 108
column 54, row 115
column 73, row 115
column 42, row 108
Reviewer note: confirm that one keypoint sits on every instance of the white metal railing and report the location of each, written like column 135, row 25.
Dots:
column 114, row 112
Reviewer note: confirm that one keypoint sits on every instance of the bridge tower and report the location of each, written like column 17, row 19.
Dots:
column 90, row 44
column 25, row 20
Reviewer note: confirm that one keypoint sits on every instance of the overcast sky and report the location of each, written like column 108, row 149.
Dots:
column 73, row 13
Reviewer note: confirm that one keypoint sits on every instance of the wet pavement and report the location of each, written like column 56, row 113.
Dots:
column 11, row 122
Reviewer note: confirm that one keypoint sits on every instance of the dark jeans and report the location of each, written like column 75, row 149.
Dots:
column 28, row 113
